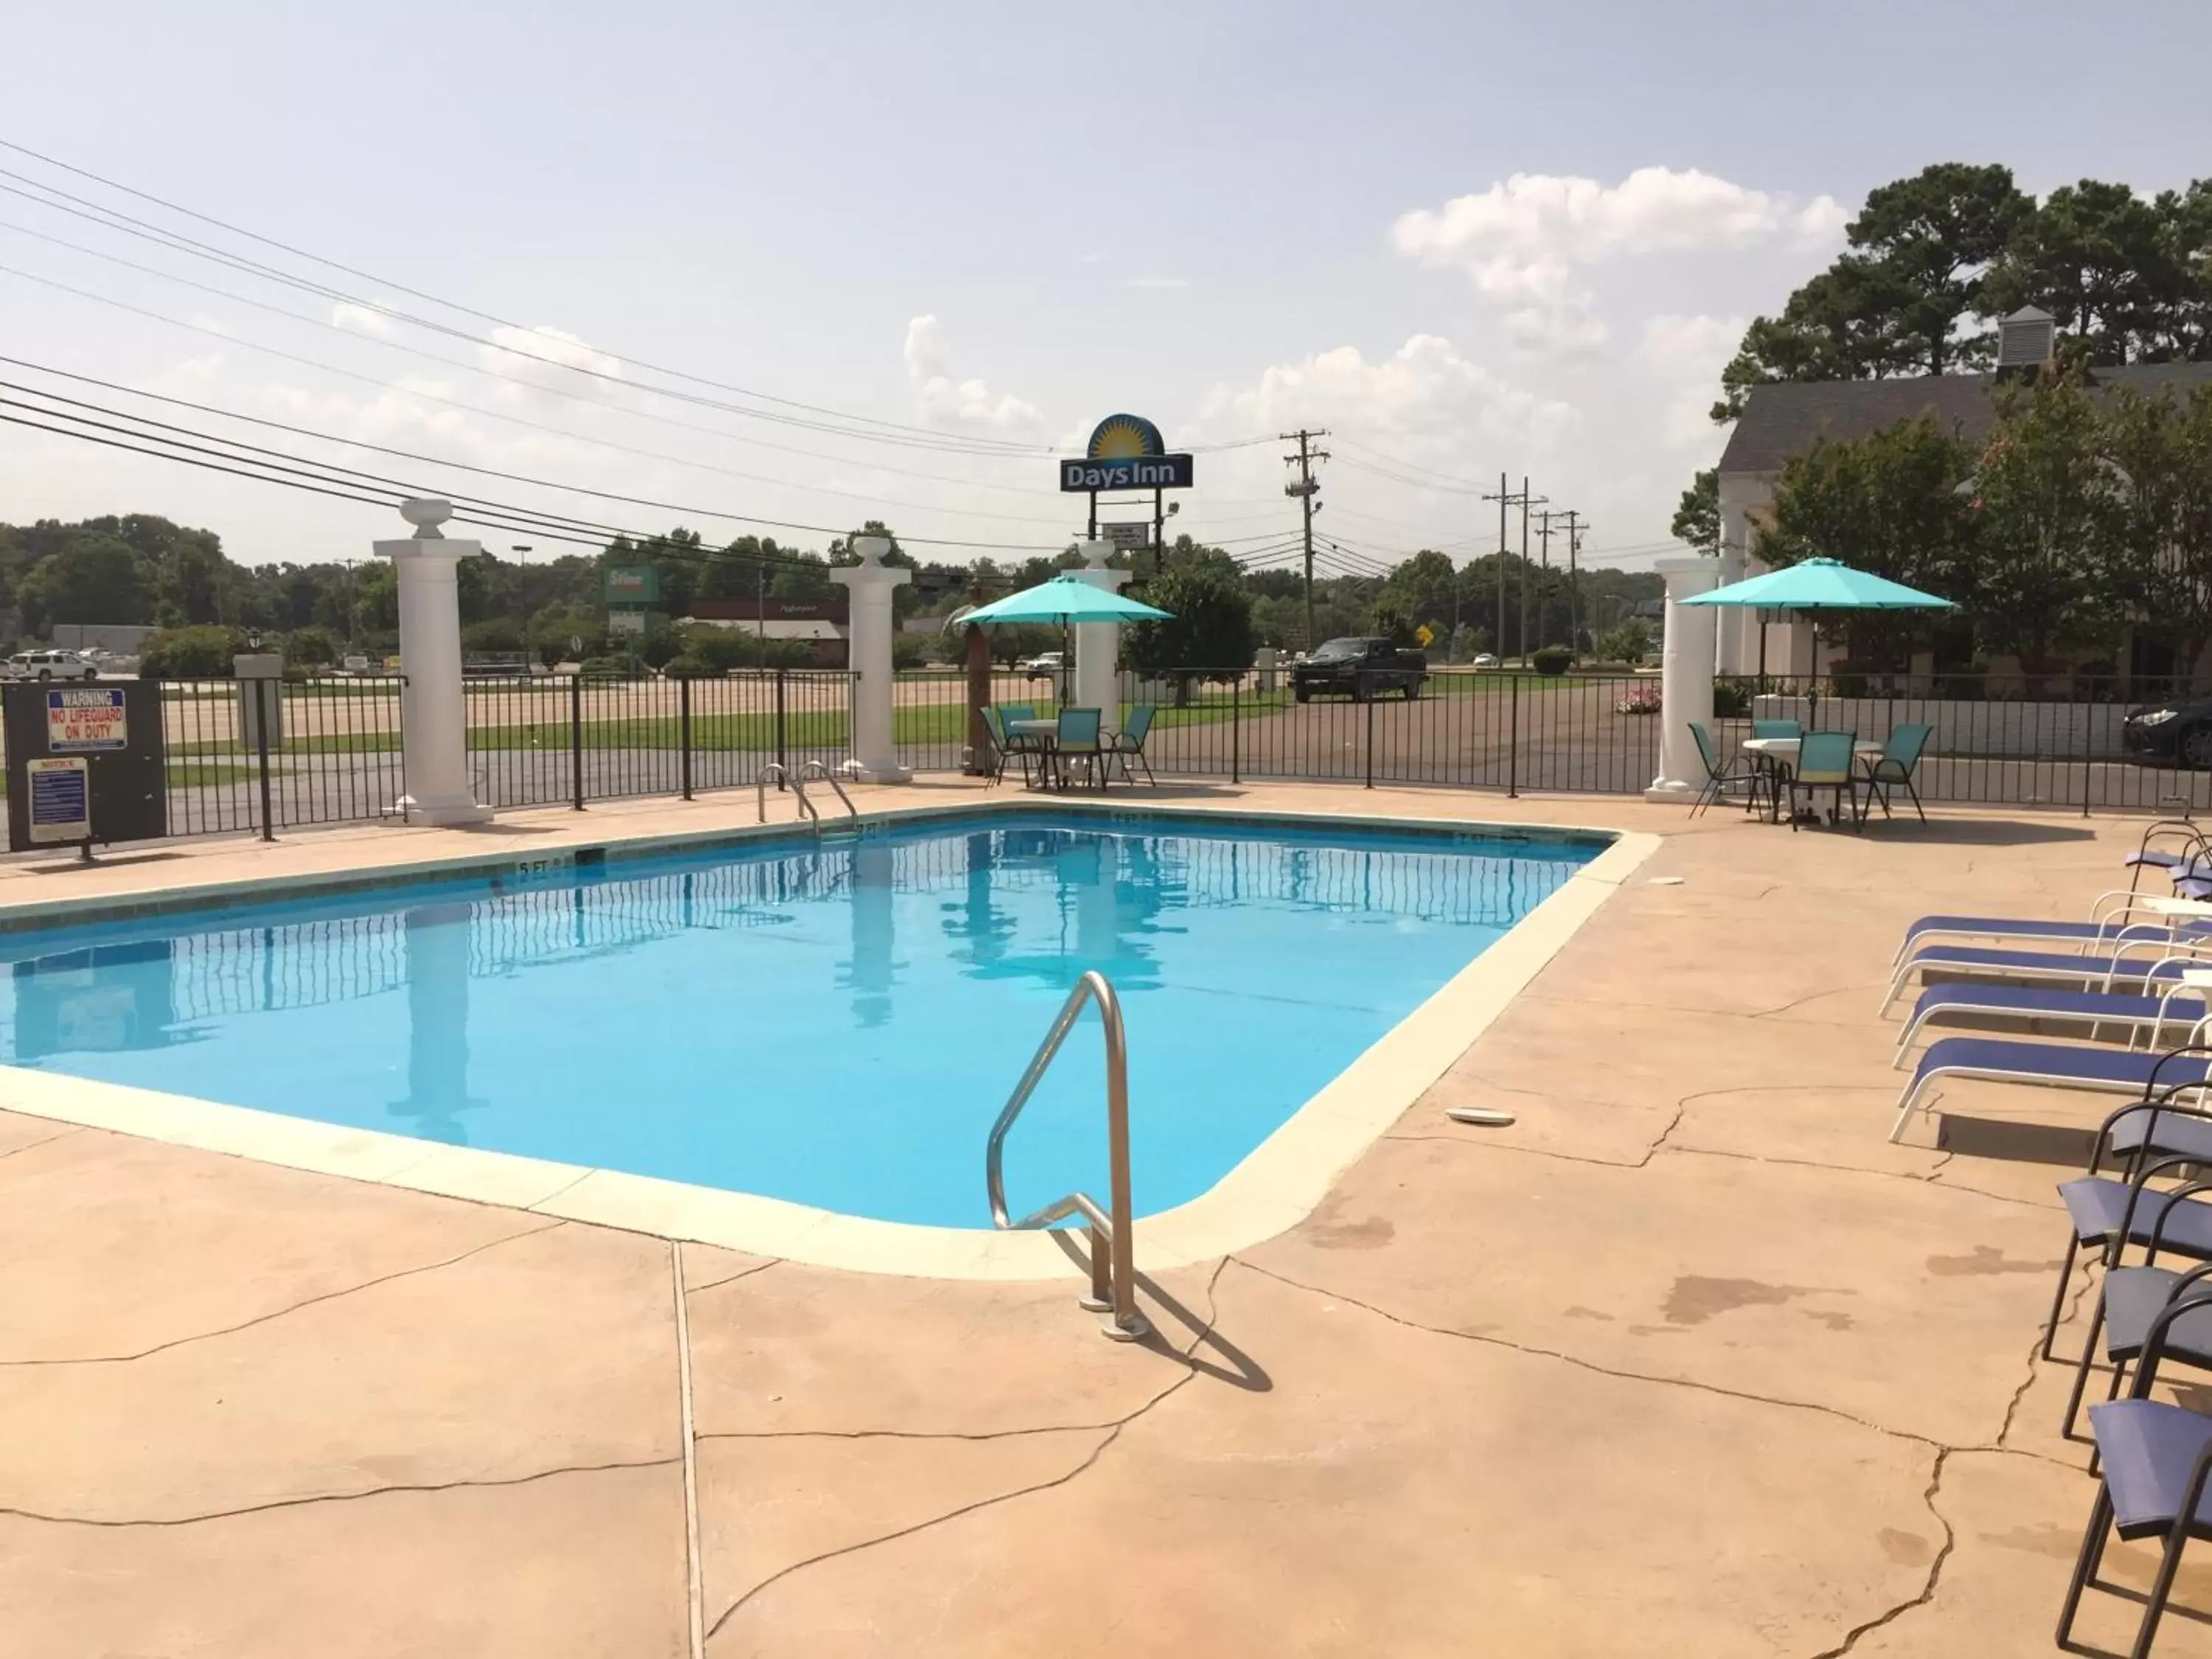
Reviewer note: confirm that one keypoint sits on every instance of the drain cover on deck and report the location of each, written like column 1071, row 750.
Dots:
column 1487, row 1117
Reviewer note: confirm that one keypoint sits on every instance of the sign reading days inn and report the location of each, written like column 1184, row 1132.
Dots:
column 1126, row 451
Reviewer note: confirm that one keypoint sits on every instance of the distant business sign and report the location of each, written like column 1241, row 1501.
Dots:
column 61, row 801
column 1127, row 538
column 630, row 584
column 86, row 721
column 626, row 622
column 1126, row 472
column 1126, row 451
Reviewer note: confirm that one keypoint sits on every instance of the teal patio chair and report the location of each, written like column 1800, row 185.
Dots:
column 1129, row 742
column 1721, row 775
column 1022, row 746
column 1077, row 739
column 1827, row 760
column 1899, row 760
column 1791, row 729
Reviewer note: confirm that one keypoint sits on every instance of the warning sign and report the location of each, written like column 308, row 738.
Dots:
column 83, row 721
column 61, row 805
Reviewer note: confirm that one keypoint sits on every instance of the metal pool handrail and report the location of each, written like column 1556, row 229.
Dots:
column 815, row 769
column 1114, row 1288
column 797, row 786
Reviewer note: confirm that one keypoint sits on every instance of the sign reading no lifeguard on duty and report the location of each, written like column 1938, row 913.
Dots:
column 1126, row 451
column 85, row 721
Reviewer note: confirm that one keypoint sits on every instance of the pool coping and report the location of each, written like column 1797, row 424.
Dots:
column 1273, row 1188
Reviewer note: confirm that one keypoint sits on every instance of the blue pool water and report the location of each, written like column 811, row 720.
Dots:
column 837, row 1026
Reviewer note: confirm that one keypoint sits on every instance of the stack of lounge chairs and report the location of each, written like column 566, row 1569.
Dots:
column 2132, row 982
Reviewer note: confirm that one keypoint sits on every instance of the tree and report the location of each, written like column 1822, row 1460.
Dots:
column 1420, row 589
column 2098, row 257
column 309, row 648
column 1888, row 503
column 1392, row 620
column 1208, row 631
column 2159, row 451
column 1922, row 251
column 1698, row 517
column 2046, row 525
column 94, row 578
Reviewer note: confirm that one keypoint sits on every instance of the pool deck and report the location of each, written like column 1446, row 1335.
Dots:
column 1688, row 1360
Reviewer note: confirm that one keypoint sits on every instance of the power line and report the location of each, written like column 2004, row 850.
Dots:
column 418, row 294
column 1304, row 491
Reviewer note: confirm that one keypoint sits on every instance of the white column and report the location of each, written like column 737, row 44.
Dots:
column 875, row 757
column 433, row 719
column 1098, row 644
column 1740, row 496
column 1685, row 677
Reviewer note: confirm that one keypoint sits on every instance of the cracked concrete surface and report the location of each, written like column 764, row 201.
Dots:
column 1689, row 1360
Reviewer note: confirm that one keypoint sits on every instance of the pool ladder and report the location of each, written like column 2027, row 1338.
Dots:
column 1113, row 1266
column 813, row 768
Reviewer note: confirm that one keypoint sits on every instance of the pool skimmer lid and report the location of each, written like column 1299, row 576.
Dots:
column 1484, row 1117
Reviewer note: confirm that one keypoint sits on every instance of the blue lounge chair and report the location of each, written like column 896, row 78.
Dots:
column 2124, row 911
column 2124, row 966
column 2096, row 1010
column 2140, row 1072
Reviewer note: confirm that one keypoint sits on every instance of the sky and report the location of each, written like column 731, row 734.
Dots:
column 1467, row 239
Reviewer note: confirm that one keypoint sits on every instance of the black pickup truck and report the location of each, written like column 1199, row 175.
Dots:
column 1360, row 669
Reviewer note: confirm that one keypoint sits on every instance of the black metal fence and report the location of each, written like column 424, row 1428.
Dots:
column 333, row 750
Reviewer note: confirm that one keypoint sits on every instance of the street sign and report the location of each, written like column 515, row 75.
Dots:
column 625, row 622
column 1127, row 538
column 630, row 584
column 83, row 721
column 1425, row 635
column 61, row 801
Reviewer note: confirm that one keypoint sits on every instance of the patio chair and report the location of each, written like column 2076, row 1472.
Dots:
column 2131, row 1014
column 1009, row 744
column 2157, row 1463
column 2148, row 1315
column 2123, row 964
column 2053, row 1064
column 2194, row 855
column 1129, row 742
column 2106, row 1213
column 1077, row 739
column 1792, row 730
column 1898, row 760
column 1721, row 775
column 1826, row 760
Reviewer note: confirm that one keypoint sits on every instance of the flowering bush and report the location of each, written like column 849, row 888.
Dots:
column 1642, row 701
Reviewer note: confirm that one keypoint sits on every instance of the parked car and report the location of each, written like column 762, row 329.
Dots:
column 1485, row 659
column 49, row 665
column 1360, row 669
column 1046, row 664
column 2179, row 729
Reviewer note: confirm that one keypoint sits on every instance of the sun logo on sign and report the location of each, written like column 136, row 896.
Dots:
column 1123, row 437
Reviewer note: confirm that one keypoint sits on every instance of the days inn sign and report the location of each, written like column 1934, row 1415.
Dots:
column 1125, row 453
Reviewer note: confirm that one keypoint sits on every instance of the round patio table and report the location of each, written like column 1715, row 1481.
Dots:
column 1042, row 737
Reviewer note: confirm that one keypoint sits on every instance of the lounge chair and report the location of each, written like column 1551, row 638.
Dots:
column 2095, row 1009
column 2140, row 1072
column 1723, row 775
column 1827, row 760
column 2112, row 912
column 1128, row 743
column 2157, row 1464
column 2124, row 964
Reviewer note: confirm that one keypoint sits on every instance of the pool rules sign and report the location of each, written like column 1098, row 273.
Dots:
column 85, row 764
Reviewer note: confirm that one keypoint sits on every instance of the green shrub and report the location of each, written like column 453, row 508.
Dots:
column 1731, row 699
column 1552, row 660
column 605, row 668
column 309, row 648
column 189, row 653
column 1627, row 643
column 688, row 667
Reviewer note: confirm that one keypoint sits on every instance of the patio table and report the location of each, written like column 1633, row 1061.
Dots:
column 1044, row 735
column 1779, row 755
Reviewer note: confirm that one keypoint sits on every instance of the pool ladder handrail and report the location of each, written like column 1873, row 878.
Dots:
column 815, row 769
column 797, row 785
column 1113, row 1266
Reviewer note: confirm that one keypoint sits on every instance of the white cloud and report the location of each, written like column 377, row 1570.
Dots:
column 1159, row 281
column 544, row 357
column 1532, row 217
column 359, row 319
column 1686, row 355
column 947, row 401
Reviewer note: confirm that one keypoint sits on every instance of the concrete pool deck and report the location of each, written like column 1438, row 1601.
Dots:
column 1688, row 1360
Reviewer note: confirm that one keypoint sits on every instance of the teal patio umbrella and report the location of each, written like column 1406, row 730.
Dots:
column 1817, row 585
column 1067, row 598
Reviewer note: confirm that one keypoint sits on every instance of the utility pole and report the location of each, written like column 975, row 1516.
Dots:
column 1544, row 576
column 1304, row 490
column 1504, row 499
column 1576, row 525
column 1527, row 502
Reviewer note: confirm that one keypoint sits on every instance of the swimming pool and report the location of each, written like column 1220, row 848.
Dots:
column 832, row 1025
